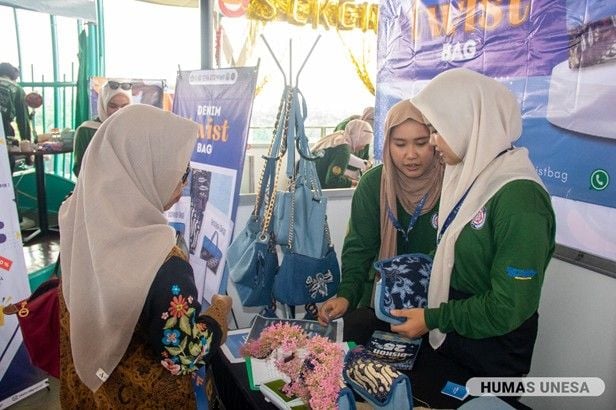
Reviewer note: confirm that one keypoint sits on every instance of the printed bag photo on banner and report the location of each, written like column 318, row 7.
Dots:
column 210, row 252
column 252, row 257
column 403, row 284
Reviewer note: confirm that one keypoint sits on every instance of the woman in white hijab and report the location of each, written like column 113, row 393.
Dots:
column 131, row 330
column 345, row 155
column 495, row 238
column 113, row 96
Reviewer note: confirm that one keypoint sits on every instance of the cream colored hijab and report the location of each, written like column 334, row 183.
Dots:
column 106, row 95
column 357, row 134
column 114, row 236
column 368, row 116
column 396, row 185
column 479, row 118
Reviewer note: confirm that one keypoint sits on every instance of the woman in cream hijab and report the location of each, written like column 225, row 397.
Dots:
column 112, row 97
column 496, row 237
column 345, row 155
column 408, row 183
column 131, row 332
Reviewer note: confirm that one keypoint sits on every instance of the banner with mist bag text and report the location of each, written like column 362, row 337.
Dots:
column 557, row 57
column 220, row 101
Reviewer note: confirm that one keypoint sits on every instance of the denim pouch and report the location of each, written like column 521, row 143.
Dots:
column 403, row 285
column 381, row 385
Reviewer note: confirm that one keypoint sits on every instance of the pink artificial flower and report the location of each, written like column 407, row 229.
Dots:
column 314, row 365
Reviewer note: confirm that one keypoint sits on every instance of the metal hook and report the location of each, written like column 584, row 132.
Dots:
column 306, row 60
column 284, row 76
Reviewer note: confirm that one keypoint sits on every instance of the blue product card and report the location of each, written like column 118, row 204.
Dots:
column 455, row 390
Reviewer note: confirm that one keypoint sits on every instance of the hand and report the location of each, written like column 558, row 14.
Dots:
column 415, row 324
column 332, row 309
column 354, row 183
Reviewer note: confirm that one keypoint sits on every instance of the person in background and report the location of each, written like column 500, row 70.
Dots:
column 13, row 106
column 345, row 155
column 407, row 184
column 131, row 328
column 113, row 96
column 495, row 240
column 367, row 115
column 13, row 103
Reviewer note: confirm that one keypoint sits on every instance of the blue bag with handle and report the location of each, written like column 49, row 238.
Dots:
column 252, row 257
column 309, row 272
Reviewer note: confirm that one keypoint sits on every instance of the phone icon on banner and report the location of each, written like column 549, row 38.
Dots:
column 599, row 179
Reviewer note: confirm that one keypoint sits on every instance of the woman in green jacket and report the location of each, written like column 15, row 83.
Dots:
column 113, row 96
column 344, row 155
column 495, row 239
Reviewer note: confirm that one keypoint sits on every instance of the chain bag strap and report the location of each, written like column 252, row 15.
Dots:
column 252, row 258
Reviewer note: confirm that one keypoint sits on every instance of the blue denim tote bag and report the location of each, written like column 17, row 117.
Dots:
column 300, row 211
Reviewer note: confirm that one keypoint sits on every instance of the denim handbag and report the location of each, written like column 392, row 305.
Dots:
column 381, row 385
column 309, row 219
column 309, row 272
column 300, row 212
column 303, row 279
column 403, row 284
column 210, row 252
column 255, row 287
column 251, row 258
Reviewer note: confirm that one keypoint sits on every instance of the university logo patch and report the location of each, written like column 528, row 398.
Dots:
column 434, row 220
column 336, row 170
column 479, row 219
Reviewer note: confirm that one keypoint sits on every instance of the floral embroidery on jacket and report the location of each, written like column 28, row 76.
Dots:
column 185, row 340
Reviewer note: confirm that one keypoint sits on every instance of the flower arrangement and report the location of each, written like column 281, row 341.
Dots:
column 314, row 365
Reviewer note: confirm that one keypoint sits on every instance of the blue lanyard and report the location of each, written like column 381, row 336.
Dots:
column 456, row 208
column 412, row 221
column 452, row 215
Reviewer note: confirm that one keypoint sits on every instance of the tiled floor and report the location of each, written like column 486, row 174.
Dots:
column 42, row 251
column 39, row 253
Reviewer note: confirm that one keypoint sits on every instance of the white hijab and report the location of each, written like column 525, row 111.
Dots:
column 479, row 118
column 114, row 236
column 106, row 95
column 357, row 134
